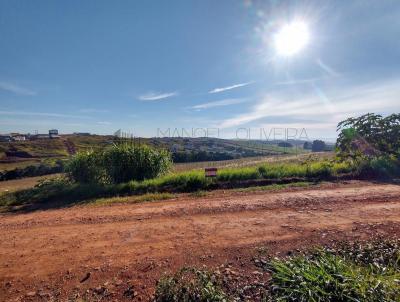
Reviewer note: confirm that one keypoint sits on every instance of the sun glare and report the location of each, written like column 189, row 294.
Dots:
column 291, row 38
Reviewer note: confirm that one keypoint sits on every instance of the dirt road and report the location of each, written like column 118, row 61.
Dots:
column 123, row 249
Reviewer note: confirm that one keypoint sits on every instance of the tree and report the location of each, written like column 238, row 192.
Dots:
column 285, row 145
column 307, row 146
column 369, row 135
column 318, row 146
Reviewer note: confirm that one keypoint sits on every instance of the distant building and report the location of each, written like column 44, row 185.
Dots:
column 19, row 138
column 53, row 133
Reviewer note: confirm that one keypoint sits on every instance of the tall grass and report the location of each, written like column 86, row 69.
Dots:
column 119, row 163
column 323, row 170
column 345, row 275
column 190, row 181
column 367, row 272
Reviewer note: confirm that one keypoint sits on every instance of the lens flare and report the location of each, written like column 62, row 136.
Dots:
column 291, row 38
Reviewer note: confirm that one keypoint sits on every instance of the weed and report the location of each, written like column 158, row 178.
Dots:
column 349, row 274
column 190, row 284
column 132, row 199
column 199, row 194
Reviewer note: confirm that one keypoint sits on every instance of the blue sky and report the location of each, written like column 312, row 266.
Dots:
column 98, row 66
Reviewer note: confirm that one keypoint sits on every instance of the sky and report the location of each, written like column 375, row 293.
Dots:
column 149, row 66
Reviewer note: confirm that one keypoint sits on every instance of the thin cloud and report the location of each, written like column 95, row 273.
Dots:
column 155, row 96
column 45, row 114
column 225, row 102
column 222, row 89
column 104, row 123
column 16, row 89
column 297, row 82
column 93, row 110
column 379, row 97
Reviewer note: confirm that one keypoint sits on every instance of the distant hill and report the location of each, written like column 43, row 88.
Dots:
column 183, row 149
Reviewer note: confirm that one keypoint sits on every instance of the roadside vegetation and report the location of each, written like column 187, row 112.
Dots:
column 71, row 190
column 347, row 272
column 368, row 147
column 190, row 284
column 119, row 163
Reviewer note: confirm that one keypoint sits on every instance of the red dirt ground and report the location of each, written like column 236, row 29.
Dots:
column 126, row 247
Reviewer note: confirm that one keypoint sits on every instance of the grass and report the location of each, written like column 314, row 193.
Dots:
column 11, row 165
column 254, row 161
column 190, row 284
column 321, row 169
column 38, row 148
column 348, row 272
column 62, row 190
column 199, row 194
column 23, row 183
column 300, row 184
column 132, row 199
column 357, row 273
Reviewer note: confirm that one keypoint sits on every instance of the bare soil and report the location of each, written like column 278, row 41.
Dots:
column 117, row 252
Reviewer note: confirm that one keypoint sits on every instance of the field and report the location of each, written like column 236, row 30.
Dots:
column 252, row 161
column 24, row 183
column 240, row 236
column 118, row 251
column 44, row 149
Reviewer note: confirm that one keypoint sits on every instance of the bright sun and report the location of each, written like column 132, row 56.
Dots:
column 291, row 38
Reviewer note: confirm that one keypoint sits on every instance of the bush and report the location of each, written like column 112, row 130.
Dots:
column 319, row 169
column 369, row 135
column 119, row 163
column 124, row 162
column 189, row 284
column 325, row 276
column 318, row 146
column 379, row 167
column 86, row 167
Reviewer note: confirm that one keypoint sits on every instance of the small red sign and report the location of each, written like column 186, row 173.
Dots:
column 210, row 172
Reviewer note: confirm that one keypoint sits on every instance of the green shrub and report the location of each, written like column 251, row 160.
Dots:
column 86, row 167
column 189, row 285
column 319, row 169
column 124, row 162
column 324, row 276
column 342, row 168
column 378, row 254
column 119, row 163
column 379, row 167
